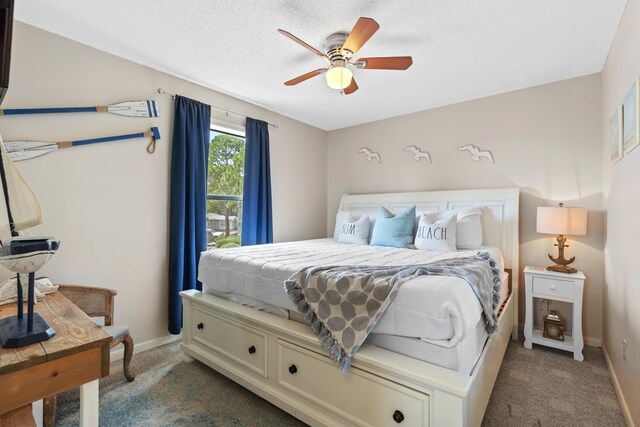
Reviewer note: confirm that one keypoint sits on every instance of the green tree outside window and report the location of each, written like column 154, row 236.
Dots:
column 225, row 177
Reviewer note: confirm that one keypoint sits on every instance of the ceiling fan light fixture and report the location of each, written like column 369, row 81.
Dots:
column 338, row 77
column 339, row 49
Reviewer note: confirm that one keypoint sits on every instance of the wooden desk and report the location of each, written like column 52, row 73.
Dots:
column 20, row 417
column 78, row 355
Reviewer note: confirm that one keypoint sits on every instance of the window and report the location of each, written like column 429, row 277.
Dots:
column 224, row 188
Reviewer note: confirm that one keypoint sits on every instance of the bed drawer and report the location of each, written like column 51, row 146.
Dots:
column 358, row 397
column 242, row 344
column 553, row 287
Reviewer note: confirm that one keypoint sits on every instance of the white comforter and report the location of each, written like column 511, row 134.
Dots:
column 441, row 309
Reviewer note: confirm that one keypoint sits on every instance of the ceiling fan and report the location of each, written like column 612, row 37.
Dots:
column 339, row 49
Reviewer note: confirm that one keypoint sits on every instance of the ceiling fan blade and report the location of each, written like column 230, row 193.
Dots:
column 303, row 44
column 306, row 76
column 352, row 87
column 361, row 32
column 385, row 63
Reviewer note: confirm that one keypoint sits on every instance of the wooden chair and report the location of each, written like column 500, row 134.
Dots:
column 95, row 302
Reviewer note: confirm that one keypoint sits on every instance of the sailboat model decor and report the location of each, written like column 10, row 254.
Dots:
column 20, row 210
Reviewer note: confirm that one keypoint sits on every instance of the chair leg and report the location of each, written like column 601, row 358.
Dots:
column 128, row 353
column 49, row 411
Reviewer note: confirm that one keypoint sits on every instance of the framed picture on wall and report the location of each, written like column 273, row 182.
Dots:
column 631, row 118
column 615, row 135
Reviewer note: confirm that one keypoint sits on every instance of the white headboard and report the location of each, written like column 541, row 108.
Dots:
column 499, row 211
column 499, row 216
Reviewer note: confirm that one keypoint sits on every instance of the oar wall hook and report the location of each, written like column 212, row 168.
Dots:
column 147, row 108
column 25, row 150
column 151, row 148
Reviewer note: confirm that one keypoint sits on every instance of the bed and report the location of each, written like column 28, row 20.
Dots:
column 412, row 370
column 438, row 317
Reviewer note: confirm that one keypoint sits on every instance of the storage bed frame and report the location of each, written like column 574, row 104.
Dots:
column 279, row 359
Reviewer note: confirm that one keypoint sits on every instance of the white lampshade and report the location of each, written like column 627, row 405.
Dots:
column 338, row 77
column 565, row 221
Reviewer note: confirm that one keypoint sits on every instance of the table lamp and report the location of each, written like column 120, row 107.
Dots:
column 562, row 221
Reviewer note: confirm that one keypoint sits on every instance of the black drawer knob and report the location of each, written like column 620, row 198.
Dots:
column 398, row 416
column 200, row 325
column 252, row 350
column 293, row 369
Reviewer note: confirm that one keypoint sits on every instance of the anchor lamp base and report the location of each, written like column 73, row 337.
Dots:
column 562, row 269
column 13, row 331
column 562, row 264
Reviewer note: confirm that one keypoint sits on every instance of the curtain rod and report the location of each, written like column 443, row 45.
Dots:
column 227, row 112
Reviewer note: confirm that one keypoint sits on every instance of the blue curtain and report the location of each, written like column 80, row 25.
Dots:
column 257, row 225
column 188, row 203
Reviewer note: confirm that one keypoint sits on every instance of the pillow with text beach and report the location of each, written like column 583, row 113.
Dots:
column 436, row 235
column 468, row 225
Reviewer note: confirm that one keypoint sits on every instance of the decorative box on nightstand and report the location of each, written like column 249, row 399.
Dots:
column 543, row 284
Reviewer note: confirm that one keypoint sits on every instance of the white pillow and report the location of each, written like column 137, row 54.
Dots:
column 438, row 235
column 355, row 231
column 340, row 216
column 468, row 228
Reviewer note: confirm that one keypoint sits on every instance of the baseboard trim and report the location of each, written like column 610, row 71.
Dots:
column 591, row 342
column 616, row 386
column 118, row 352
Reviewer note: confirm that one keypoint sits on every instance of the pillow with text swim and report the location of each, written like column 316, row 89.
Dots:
column 355, row 231
column 394, row 230
column 439, row 235
column 340, row 216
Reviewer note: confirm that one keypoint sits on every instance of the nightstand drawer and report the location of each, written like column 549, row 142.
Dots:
column 553, row 287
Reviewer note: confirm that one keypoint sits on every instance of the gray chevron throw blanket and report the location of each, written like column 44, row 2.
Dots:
column 343, row 303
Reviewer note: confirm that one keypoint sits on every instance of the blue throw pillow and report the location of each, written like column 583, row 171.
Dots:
column 395, row 231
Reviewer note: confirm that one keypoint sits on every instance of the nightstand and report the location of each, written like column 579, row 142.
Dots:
column 543, row 284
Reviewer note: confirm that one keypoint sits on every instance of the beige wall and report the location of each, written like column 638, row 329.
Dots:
column 108, row 203
column 545, row 140
column 621, row 191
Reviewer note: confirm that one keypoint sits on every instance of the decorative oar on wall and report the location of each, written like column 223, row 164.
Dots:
column 129, row 108
column 25, row 150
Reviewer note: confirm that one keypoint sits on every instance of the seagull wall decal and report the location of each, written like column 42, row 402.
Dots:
column 418, row 154
column 476, row 153
column 370, row 154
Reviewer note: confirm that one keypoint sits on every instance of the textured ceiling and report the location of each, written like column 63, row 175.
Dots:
column 462, row 49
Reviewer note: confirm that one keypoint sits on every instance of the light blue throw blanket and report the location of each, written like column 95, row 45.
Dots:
column 343, row 303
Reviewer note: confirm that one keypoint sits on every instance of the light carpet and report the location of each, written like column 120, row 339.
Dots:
column 546, row 387
column 539, row 387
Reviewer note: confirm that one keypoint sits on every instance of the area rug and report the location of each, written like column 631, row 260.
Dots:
column 184, row 393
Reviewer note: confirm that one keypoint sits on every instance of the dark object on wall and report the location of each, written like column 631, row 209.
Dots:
column 6, row 28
